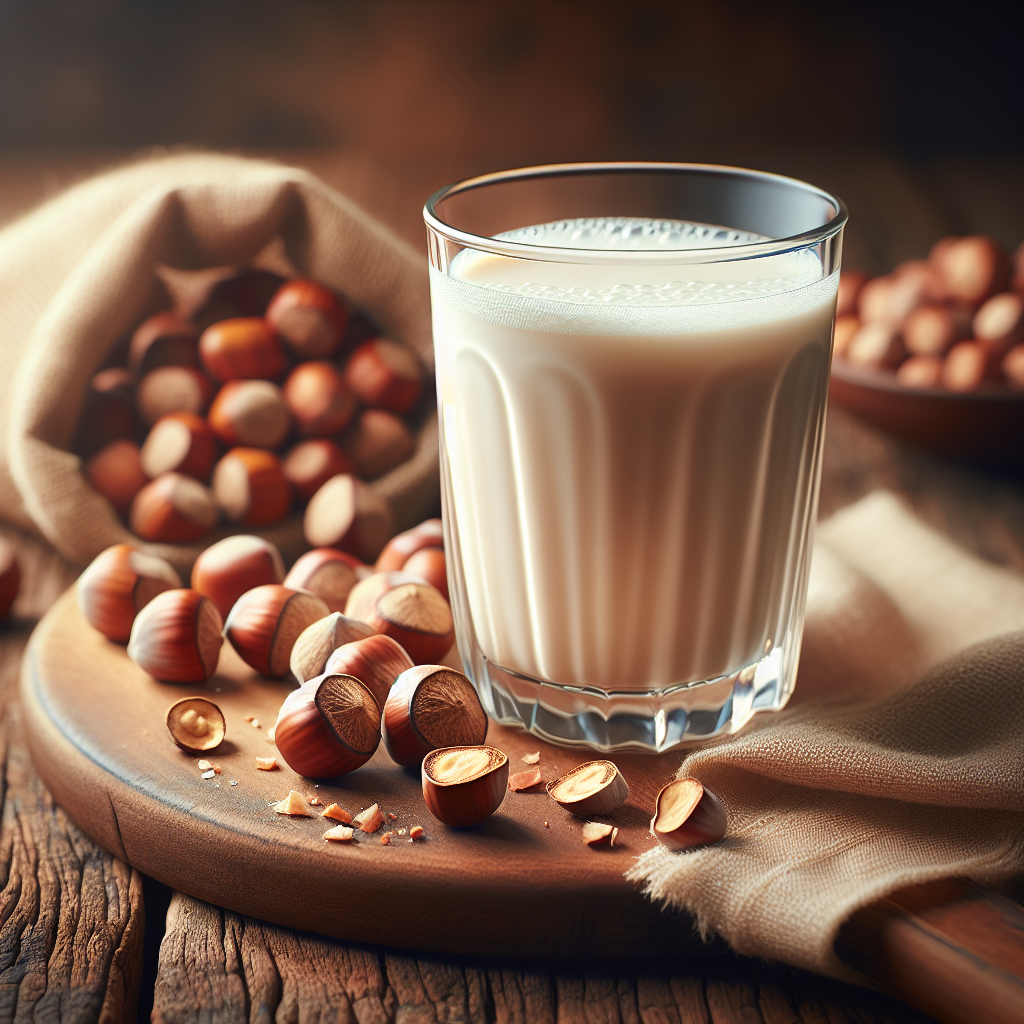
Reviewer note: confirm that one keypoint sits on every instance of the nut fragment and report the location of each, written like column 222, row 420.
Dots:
column 293, row 804
column 595, row 787
column 533, row 758
column 385, row 840
column 340, row 833
column 596, row 834
column 369, row 820
column 266, row 764
column 416, row 832
column 204, row 765
column 337, row 814
column 687, row 815
column 525, row 780
column 196, row 725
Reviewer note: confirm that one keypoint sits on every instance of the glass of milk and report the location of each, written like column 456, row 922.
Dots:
column 632, row 367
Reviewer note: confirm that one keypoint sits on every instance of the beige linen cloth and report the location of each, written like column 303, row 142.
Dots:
column 898, row 760
column 77, row 275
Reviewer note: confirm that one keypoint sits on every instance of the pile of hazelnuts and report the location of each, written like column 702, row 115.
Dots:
column 270, row 394
column 953, row 321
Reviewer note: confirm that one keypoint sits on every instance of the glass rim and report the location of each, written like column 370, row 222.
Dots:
column 559, row 254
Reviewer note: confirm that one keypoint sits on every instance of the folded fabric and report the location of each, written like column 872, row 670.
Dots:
column 899, row 760
column 78, row 274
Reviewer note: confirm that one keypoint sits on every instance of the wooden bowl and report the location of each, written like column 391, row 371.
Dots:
column 984, row 427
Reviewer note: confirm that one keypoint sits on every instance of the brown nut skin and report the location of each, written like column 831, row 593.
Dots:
column 165, row 339
column 431, row 706
column 265, row 622
column 250, row 487
column 173, row 509
column 346, row 513
column 377, row 441
column 172, row 389
column 229, row 568
column 10, row 577
column 328, row 726
column 244, row 348
column 401, row 547
column 686, row 815
column 377, row 661
column 176, row 638
column 180, row 442
column 310, row 464
column 328, row 573
column 464, row 802
column 116, row 472
column 182, row 731
column 309, row 318
column 385, row 375
column 319, row 399
column 118, row 584
column 596, row 787
column 406, row 609
column 250, row 413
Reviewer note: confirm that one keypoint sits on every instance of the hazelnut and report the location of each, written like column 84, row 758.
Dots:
column 118, row 584
column 176, row 637
column 431, row 706
column 180, row 442
column 376, row 442
column 876, row 345
column 850, row 284
column 250, row 487
column 463, row 785
column 386, row 375
column 931, row 329
column 920, row 372
column 328, row 726
column 318, row 399
column 318, row 641
column 971, row 269
column 406, row 609
column 231, row 567
column 965, row 367
column 165, row 339
column 308, row 317
column 310, row 464
column 377, row 661
column 172, row 389
column 873, row 300
column 244, row 348
column 173, row 508
column 250, row 413
column 347, row 514
column 687, row 815
column 596, row 787
column 116, row 472
column 398, row 550
column 1013, row 367
column 196, row 725
column 10, row 577
column 108, row 413
column 846, row 327
column 328, row 573
column 914, row 283
column 999, row 324
column 265, row 622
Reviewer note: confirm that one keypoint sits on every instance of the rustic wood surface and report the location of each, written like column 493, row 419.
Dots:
column 71, row 918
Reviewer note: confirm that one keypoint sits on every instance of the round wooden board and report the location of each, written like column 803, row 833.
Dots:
column 513, row 886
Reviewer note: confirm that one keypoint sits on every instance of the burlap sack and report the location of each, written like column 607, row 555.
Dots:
column 899, row 760
column 78, row 274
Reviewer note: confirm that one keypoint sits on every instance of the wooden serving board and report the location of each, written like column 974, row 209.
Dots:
column 521, row 884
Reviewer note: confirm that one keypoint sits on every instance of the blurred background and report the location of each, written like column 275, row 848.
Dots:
column 911, row 112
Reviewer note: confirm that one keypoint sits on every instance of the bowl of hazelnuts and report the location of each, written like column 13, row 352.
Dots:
column 270, row 406
column 933, row 352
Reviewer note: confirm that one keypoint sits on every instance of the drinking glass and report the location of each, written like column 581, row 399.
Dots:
column 632, row 370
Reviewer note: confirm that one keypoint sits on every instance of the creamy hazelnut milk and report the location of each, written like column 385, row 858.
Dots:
column 631, row 453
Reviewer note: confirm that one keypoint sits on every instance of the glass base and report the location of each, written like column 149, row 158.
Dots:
column 654, row 721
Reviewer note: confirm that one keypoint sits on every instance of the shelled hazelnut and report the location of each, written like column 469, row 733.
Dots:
column 347, row 514
column 118, row 584
column 10, row 577
column 376, row 442
column 170, row 389
column 176, row 637
column 318, row 399
column 687, row 815
column 243, row 348
column 180, row 442
column 251, row 413
column 318, row 641
column 377, row 661
column 406, row 609
column 463, row 785
column 165, row 339
column 231, row 567
column 308, row 317
column 328, row 573
column 116, row 472
column 310, row 464
column 250, row 487
column 173, row 508
column 265, row 622
column 386, row 375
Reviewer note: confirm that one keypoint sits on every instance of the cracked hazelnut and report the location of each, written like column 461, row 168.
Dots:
column 196, row 725
column 463, row 785
column 596, row 787
column 687, row 815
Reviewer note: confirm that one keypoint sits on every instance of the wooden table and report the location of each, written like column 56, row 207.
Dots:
column 83, row 937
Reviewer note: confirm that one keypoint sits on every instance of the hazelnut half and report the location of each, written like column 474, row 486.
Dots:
column 596, row 787
column 687, row 815
column 328, row 573
column 464, row 785
column 431, row 706
column 196, row 724
column 227, row 569
column 118, row 584
column 176, row 638
column 328, row 726
column 320, row 639
column 345, row 513
column 377, row 661
column 265, row 622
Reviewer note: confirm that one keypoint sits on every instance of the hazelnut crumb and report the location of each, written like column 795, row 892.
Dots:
column 340, row 833
column 294, row 804
column 204, row 765
column 266, row 764
column 234, row 782
column 525, row 780
column 416, row 832
column 546, row 825
column 217, row 768
column 393, row 817
column 337, row 813
column 596, row 833
column 401, row 831
column 247, row 718
column 272, row 734
column 313, row 799
column 531, row 758
column 255, row 723
column 385, row 840
column 208, row 775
